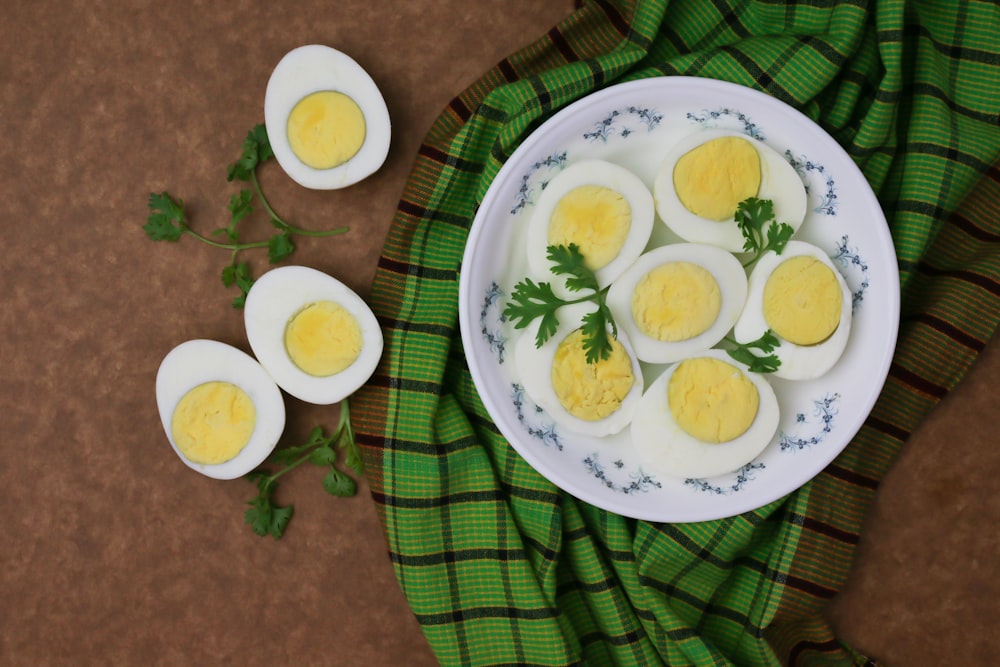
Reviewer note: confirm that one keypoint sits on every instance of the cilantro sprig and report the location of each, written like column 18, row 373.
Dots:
column 167, row 220
column 761, row 232
column 267, row 517
column 530, row 301
column 747, row 353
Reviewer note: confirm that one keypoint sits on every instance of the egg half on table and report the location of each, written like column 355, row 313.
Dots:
column 705, row 415
column 704, row 176
column 801, row 297
column 222, row 412
column 326, row 119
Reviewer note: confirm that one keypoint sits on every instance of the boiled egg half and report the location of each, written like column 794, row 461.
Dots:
column 315, row 336
column 594, row 399
column 326, row 120
column 678, row 299
column 222, row 412
column 704, row 416
column 602, row 208
column 801, row 297
column 704, row 177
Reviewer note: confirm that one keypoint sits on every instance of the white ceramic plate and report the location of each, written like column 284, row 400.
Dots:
column 632, row 124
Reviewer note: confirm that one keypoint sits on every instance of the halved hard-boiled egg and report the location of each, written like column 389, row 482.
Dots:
column 678, row 299
column 804, row 300
column 316, row 337
column 706, row 415
column 705, row 176
column 325, row 117
column 222, row 412
column 594, row 399
column 602, row 208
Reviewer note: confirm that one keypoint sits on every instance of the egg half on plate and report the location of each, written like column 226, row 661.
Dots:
column 312, row 333
column 801, row 297
column 222, row 412
column 326, row 119
column 704, row 416
column 704, row 177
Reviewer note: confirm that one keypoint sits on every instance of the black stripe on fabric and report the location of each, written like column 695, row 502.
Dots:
column 829, row 646
column 823, row 528
column 416, row 327
column 885, row 427
column 507, row 70
column 949, row 153
column 977, row 279
column 810, row 587
column 417, row 270
column 762, row 77
column 619, row 22
column 390, row 500
column 597, row 73
column 931, row 90
column 404, row 384
column 852, row 477
column 448, row 160
column 952, row 50
column 541, row 92
column 562, row 46
column 472, row 613
column 730, row 18
column 951, row 331
column 433, row 215
column 704, row 606
column 461, row 110
column 916, row 381
column 459, row 555
column 822, row 47
column 630, row 637
column 972, row 229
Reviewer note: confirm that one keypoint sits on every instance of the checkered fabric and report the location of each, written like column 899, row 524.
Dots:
column 502, row 568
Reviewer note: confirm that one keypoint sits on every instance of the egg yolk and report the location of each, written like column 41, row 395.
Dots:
column 326, row 129
column 713, row 401
column 676, row 301
column 802, row 300
column 591, row 391
column 712, row 179
column 323, row 338
column 213, row 422
column 596, row 218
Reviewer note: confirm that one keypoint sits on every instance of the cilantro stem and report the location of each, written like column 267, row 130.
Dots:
column 235, row 247
column 281, row 222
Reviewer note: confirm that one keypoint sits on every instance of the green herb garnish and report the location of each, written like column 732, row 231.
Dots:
column 531, row 300
column 265, row 516
column 745, row 354
column 761, row 232
column 167, row 219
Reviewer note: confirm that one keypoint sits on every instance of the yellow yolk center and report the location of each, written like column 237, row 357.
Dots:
column 802, row 300
column 213, row 422
column 713, row 178
column 597, row 219
column 323, row 338
column 713, row 401
column 590, row 391
column 326, row 129
column 676, row 301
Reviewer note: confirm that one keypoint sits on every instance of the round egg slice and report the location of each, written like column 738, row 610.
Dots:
column 602, row 208
column 704, row 416
column 222, row 412
column 316, row 337
column 595, row 399
column 678, row 299
column 704, row 176
column 326, row 120
column 804, row 300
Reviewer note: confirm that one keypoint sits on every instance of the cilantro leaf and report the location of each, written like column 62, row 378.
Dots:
column 763, row 363
column 256, row 148
column 568, row 260
column 761, row 232
column 166, row 221
column 339, row 484
column 596, row 341
column 279, row 247
column 264, row 516
column 531, row 301
column 240, row 206
column 239, row 275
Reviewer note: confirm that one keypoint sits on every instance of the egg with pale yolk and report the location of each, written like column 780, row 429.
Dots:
column 602, row 208
column 326, row 119
column 704, row 177
column 316, row 337
column 705, row 415
column 595, row 399
column 804, row 300
column 221, row 411
column 678, row 299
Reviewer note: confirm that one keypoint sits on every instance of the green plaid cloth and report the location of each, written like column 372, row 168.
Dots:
column 497, row 564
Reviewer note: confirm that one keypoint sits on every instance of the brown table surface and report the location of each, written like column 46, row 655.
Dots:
column 113, row 551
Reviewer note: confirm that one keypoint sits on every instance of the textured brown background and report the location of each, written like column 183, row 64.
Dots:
column 113, row 552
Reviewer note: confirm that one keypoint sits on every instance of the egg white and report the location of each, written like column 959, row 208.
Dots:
column 668, row 449
column 198, row 361
column 534, row 368
column 779, row 182
column 278, row 295
column 798, row 362
column 313, row 68
column 590, row 172
column 724, row 267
